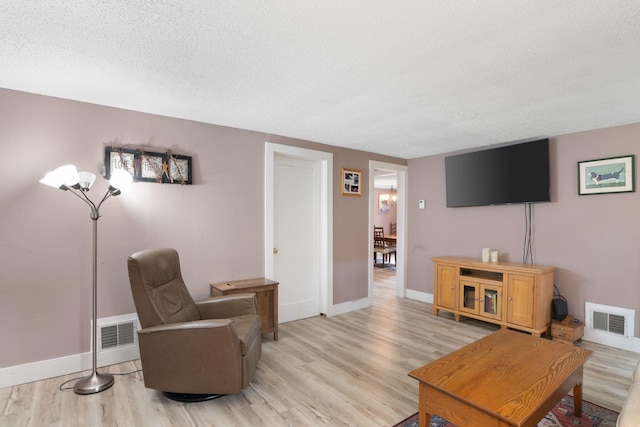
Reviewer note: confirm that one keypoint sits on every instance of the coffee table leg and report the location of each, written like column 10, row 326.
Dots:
column 577, row 399
column 424, row 419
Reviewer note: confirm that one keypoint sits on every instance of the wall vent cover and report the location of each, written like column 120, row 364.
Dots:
column 117, row 335
column 612, row 320
column 117, row 332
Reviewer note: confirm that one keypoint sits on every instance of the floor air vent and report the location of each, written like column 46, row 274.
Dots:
column 116, row 332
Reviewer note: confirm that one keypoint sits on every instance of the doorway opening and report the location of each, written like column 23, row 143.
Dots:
column 387, row 217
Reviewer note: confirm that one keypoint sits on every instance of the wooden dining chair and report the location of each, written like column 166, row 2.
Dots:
column 381, row 246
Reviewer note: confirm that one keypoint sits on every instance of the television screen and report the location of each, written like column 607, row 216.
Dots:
column 516, row 173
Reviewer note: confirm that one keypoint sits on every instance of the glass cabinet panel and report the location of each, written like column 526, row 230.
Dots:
column 490, row 305
column 470, row 298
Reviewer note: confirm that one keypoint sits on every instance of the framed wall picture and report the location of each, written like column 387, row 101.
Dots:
column 178, row 168
column 351, row 182
column 119, row 158
column 149, row 167
column 612, row 175
column 383, row 204
column 146, row 166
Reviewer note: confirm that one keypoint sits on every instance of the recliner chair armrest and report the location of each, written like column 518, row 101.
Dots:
column 196, row 324
column 227, row 306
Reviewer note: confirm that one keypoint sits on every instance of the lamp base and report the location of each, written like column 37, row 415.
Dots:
column 94, row 383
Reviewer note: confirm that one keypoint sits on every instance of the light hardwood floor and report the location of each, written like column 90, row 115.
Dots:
column 347, row 370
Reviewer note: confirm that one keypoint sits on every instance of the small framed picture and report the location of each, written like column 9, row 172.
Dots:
column 149, row 167
column 383, row 204
column 179, row 169
column 612, row 175
column 117, row 158
column 351, row 182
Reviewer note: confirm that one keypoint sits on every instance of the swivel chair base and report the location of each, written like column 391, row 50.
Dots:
column 189, row 398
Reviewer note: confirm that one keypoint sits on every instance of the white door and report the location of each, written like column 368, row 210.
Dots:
column 296, row 231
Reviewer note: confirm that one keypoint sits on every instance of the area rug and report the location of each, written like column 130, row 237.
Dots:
column 560, row 416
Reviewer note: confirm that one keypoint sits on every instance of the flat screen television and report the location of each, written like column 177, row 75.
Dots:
column 516, row 173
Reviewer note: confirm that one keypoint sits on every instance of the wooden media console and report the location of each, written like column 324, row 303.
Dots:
column 513, row 295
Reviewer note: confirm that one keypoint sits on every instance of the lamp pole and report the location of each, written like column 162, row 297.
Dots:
column 95, row 382
column 67, row 178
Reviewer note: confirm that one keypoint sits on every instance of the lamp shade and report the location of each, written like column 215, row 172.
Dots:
column 66, row 175
column 52, row 180
column 121, row 180
column 86, row 180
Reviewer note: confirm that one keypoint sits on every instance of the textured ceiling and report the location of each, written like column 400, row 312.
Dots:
column 405, row 78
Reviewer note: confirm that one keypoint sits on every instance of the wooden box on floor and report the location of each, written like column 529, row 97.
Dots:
column 567, row 333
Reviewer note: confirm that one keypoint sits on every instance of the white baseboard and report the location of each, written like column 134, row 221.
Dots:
column 420, row 296
column 44, row 369
column 624, row 343
column 346, row 307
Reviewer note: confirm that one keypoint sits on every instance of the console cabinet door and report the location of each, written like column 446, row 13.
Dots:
column 469, row 297
column 480, row 299
column 491, row 302
column 446, row 286
column 520, row 300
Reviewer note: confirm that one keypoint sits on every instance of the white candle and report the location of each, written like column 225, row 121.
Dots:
column 485, row 254
column 494, row 256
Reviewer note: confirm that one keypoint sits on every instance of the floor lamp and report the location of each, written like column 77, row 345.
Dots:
column 68, row 178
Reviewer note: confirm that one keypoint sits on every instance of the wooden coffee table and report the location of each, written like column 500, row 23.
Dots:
column 507, row 378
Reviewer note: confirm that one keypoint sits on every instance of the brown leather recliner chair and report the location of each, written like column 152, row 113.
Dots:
column 191, row 350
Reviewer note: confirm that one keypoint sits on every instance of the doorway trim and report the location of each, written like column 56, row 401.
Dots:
column 325, row 237
column 401, row 244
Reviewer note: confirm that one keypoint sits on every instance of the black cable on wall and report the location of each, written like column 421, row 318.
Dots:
column 527, row 251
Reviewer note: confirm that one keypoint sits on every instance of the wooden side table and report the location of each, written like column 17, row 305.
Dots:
column 266, row 293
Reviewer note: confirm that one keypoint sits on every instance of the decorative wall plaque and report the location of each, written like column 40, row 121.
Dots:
column 146, row 166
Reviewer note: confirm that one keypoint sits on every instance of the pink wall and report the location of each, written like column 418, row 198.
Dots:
column 217, row 225
column 593, row 240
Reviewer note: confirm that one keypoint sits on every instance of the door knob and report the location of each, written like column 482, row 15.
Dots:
column 275, row 250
